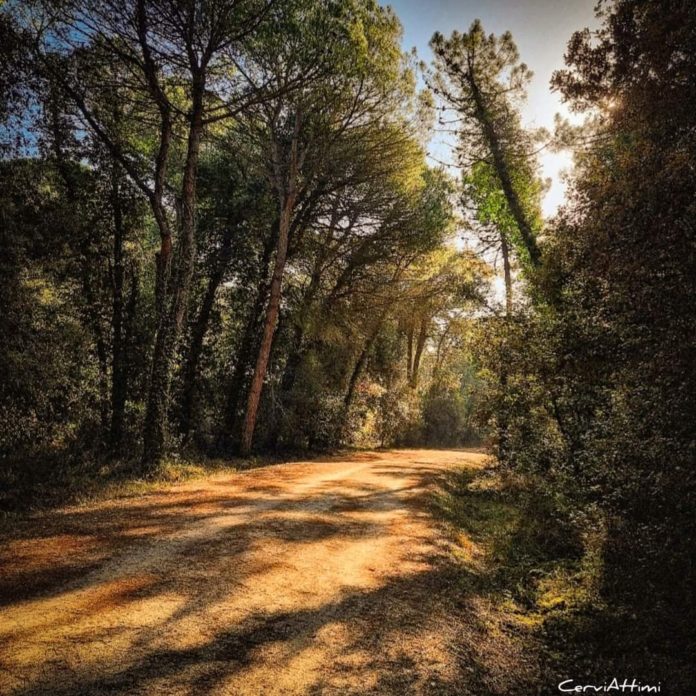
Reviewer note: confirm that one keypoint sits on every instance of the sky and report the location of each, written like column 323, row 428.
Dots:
column 541, row 29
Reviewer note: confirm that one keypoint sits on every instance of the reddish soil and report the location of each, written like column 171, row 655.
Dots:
column 324, row 577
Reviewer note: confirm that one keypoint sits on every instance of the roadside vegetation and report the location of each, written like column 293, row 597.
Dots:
column 533, row 576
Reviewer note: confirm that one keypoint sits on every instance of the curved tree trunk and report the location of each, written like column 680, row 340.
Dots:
column 361, row 362
column 286, row 183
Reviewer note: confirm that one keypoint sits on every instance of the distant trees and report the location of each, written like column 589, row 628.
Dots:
column 440, row 286
column 352, row 290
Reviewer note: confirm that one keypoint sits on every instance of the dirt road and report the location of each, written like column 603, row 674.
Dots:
column 322, row 577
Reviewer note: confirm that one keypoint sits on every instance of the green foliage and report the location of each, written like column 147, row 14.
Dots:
column 482, row 191
column 449, row 408
column 537, row 565
column 480, row 81
column 625, row 276
column 590, row 389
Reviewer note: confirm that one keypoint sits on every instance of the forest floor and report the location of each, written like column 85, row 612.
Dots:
column 335, row 576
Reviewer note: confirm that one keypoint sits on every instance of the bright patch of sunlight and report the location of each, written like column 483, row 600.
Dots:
column 554, row 165
column 499, row 289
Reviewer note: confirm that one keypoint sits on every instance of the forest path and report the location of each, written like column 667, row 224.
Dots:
column 322, row 577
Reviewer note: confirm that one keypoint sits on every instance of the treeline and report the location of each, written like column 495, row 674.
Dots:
column 221, row 235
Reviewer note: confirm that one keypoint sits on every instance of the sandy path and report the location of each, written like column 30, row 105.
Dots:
column 303, row 578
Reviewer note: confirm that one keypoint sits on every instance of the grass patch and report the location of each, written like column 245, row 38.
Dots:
column 85, row 482
column 520, row 545
column 543, row 583
column 524, row 560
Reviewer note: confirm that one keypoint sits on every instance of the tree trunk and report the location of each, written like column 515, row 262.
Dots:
column 503, row 172
column 355, row 374
column 118, row 364
column 440, row 353
column 409, row 352
column 507, row 273
column 248, row 346
column 503, row 425
column 286, row 186
column 269, row 327
column 361, row 361
column 420, row 345
column 199, row 331
column 298, row 350
column 298, row 329
column 169, row 329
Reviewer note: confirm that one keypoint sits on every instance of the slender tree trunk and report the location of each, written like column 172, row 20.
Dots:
column 298, row 329
column 507, row 274
column 294, row 351
column 355, row 374
column 420, row 345
column 248, row 346
column 251, row 341
column 199, row 331
column 440, row 353
column 503, row 424
column 362, row 361
column 409, row 351
column 118, row 365
column 243, row 362
column 294, row 359
column 169, row 330
column 299, row 351
column 269, row 327
column 286, row 185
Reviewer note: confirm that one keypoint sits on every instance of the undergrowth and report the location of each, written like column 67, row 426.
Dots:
column 522, row 552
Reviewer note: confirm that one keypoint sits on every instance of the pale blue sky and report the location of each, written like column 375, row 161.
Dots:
column 541, row 29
